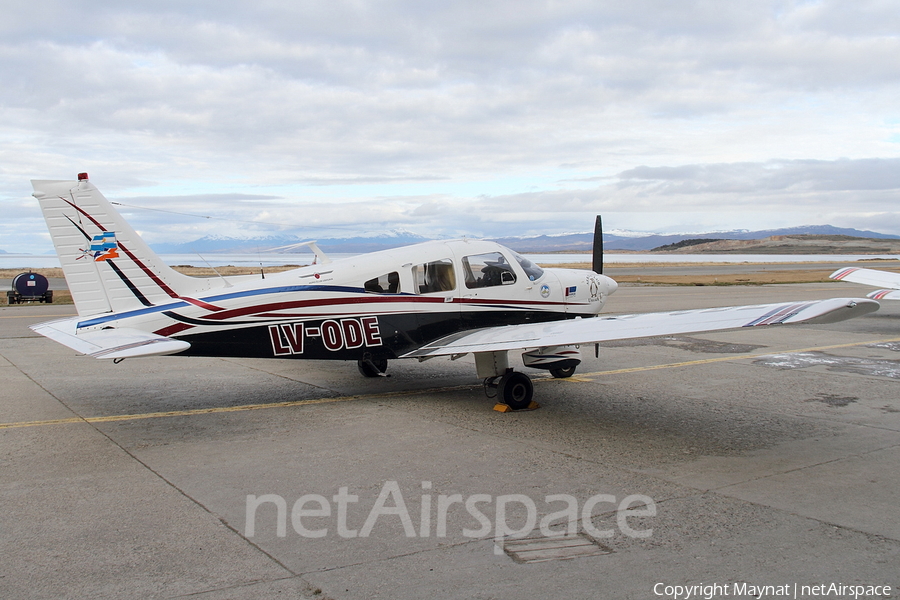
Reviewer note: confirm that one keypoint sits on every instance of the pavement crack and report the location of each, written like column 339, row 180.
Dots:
column 805, row 467
column 280, row 376
column 159, row 475
column 395, row 556
column 195, row 501
column 309, row 591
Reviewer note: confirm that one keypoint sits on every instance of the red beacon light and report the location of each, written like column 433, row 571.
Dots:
column 82, row 177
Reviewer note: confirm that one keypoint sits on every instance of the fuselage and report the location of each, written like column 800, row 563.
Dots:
column 383, row 304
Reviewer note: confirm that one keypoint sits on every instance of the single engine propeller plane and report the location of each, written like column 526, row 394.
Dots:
column 440, row 298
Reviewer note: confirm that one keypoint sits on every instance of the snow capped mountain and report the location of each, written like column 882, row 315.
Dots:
column 626, row 233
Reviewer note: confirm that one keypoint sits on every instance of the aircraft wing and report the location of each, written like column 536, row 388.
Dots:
column 868, row 277
column 109, row 343
column 603, row 329
column 884, row 295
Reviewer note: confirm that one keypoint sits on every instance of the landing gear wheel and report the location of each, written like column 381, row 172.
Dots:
column 563, row 373
column 372, row 367
column 515, row 390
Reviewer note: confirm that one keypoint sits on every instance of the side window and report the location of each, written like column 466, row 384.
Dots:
column 435, row 276
column 389, row 283
column 487, row 270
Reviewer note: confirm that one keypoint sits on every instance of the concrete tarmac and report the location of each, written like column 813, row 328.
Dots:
column 759, row 457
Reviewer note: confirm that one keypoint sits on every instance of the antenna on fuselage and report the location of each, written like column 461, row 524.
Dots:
column 227, row 283
column 597, row 259
column 320, row 257
column 262, row 270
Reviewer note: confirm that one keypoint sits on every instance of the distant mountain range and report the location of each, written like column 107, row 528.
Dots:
column 583, row 241
column 573, row 242
column 786, row 244
column 654, row 241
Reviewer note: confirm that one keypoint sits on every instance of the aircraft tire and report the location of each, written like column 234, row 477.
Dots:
column 374, row 367
column 516, row 390
column 563, row 373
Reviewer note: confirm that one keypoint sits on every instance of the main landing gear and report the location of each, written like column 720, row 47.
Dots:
column 514, row 391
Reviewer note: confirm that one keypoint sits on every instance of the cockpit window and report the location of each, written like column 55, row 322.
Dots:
column 487, row 270
column 384, row 284
column 435, row 276
column 533, row 271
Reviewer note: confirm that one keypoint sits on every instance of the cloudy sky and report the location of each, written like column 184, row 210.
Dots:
column 482, row 118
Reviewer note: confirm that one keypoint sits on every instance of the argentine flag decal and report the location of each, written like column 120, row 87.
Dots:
column 103, row 247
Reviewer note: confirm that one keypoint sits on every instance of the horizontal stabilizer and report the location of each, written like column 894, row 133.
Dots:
column 109, row 343
column 604, row 329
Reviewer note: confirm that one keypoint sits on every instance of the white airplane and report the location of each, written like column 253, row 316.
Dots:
column 441, row 298
column 874, row 278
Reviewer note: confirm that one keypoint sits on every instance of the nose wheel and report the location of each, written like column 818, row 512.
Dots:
column 563, row 373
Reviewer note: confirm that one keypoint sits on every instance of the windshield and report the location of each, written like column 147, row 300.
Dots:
column 533, row 271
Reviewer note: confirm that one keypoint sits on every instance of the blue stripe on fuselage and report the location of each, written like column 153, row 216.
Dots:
column 289, row 288
column 246, row 293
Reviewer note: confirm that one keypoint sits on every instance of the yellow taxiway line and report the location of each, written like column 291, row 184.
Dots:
column 221, row 409
column 705, row 361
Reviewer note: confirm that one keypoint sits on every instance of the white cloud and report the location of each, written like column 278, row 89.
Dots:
column 465, row 117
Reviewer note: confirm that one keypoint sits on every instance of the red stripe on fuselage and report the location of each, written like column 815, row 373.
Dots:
column 173, row 329
column 202, row 304
column 257, row 310
column 498, row 301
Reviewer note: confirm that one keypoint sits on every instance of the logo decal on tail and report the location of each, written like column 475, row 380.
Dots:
column 103, row 247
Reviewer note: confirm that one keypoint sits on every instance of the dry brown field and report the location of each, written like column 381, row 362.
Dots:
column 814, row 274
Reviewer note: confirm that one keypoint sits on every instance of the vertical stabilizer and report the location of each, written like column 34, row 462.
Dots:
column 107, row 266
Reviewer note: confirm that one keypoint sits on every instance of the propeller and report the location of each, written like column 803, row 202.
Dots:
column 597, row 262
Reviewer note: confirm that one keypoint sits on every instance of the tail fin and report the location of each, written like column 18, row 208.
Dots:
column 107, row 266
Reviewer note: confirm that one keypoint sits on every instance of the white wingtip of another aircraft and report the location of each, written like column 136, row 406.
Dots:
column 873, row 277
